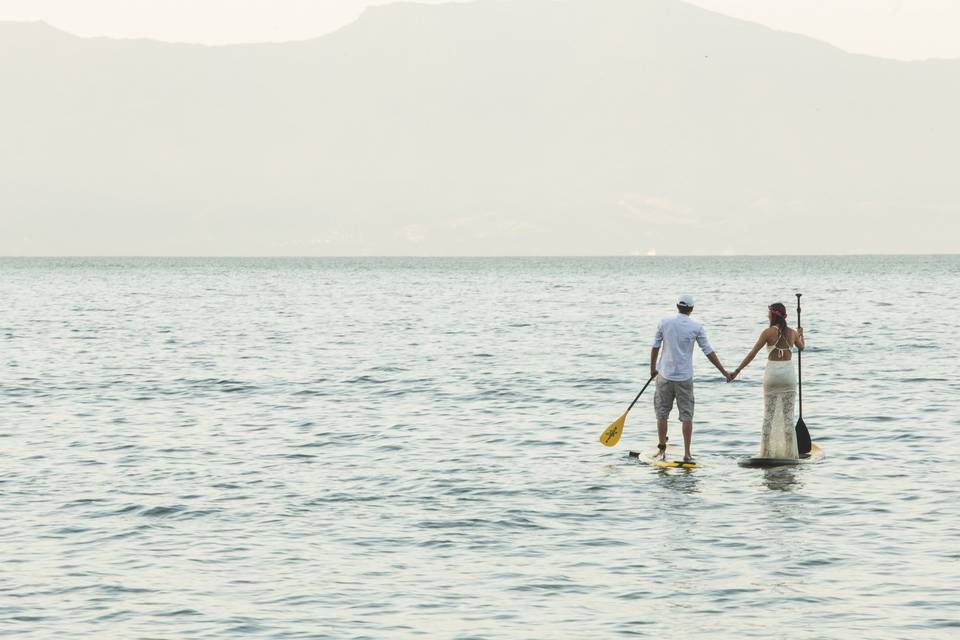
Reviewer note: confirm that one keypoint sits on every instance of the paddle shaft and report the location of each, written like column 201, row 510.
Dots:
column 799, row 362
column 639, row 394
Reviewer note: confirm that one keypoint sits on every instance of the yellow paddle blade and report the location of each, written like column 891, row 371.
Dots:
column 611, row 435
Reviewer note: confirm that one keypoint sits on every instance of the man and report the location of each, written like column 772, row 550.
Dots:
column 674, row 370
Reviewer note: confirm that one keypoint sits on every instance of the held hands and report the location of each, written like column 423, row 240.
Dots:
column 731, row 376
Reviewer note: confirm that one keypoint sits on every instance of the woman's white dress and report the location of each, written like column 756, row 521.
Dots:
column 779, row 439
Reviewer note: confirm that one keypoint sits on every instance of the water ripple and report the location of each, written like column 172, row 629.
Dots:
column 372, row 448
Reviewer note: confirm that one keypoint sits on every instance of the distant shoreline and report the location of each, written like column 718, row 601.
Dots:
column 474, row 257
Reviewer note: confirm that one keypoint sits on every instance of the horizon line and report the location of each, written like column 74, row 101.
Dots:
column 486, row 257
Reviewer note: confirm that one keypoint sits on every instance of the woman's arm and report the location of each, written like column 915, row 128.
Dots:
column 798, row 339
column 762, row 340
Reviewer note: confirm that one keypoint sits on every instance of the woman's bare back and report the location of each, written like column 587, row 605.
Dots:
column 780, row 345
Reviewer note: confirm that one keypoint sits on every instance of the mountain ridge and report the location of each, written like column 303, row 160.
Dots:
column 479, row 128
column 371, row 11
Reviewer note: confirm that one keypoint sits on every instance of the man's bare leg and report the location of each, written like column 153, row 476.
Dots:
column 662, row 437
column 687, row 437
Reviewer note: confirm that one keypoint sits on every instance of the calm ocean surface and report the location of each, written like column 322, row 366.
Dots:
column 389, row 448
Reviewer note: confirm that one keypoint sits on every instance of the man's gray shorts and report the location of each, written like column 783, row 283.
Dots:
column 667, row 392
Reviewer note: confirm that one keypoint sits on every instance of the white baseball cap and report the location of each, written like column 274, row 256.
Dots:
column 685, row 300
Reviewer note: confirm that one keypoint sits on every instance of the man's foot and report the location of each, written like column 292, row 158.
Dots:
column 688, row 459
column 663, row 449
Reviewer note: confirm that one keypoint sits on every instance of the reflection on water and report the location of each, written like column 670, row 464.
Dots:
column 782, row 478
column 679, row 480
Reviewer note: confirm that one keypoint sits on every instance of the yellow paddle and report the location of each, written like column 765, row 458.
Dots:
column 611, row 435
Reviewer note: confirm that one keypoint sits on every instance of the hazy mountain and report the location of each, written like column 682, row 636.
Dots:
column 524, row 127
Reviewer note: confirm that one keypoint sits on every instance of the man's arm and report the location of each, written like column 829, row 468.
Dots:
column 711, row 354
column 655, row 349
column 715, row 359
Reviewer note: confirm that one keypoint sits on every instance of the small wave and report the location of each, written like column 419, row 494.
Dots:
column 224, row 385
column 120, row 589
column 561, row 584
column 904, row 437
column 317, row 445
column 542, row 443
column 945, row 623
column 162, row 512
column 81, row 502
column 65, row 531
column 337, row 498
column 178, row 613
column 305, row 457
column 130, row 508
column 364, row 380
column 30, row 618
column 589, row 382
column 120, row 447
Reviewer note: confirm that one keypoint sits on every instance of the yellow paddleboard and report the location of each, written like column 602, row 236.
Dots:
column 652, row 458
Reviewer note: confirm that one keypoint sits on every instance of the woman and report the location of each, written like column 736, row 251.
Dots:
column 779, row 384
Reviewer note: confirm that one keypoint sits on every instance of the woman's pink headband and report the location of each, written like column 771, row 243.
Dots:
column 777, row 312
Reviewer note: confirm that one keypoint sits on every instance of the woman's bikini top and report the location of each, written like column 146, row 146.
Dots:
column 780, row 350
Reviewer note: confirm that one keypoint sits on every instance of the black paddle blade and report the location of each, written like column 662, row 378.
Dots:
column 803, row 438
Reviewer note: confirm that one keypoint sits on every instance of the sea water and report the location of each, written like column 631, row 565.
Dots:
column 392, row 448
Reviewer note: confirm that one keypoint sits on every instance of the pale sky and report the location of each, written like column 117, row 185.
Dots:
column 903, row 29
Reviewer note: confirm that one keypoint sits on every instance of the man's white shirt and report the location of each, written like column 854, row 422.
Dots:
column 676, row 334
